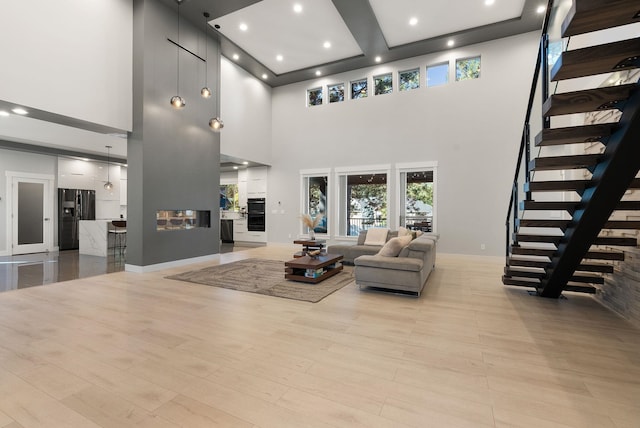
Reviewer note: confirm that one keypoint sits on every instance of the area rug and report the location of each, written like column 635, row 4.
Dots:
column 264, row 277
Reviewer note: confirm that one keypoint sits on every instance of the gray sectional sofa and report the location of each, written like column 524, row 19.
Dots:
column 407, row 272
column 351, row 251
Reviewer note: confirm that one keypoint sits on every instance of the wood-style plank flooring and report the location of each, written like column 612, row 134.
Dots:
column 138, row 350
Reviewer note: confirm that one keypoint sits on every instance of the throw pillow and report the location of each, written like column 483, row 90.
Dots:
column 403, row 231
column 376, row 236
column 393, row 247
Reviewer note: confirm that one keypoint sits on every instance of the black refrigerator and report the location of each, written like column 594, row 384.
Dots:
column 73, row 205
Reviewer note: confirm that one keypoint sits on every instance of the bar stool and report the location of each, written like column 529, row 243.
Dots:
column 120, row 234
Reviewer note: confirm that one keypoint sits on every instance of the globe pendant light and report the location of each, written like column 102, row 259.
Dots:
column 177, row 101
column 205, row 91
column 216, row 124
column 108, row 185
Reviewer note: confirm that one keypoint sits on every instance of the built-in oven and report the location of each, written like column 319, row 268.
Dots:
column 256, row 218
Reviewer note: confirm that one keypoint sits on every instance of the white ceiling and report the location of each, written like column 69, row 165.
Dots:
column 435, row 18
column 274, row 28
column 360, row 30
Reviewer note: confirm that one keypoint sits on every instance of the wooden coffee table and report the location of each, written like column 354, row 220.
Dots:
column 295, row 269
column 309, row 245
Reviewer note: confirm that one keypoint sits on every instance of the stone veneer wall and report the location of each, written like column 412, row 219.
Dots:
column 621, row 290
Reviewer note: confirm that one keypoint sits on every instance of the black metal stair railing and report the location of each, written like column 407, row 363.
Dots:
column 524, row 153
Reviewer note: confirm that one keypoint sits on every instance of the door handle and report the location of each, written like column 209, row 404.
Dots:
column 47, row 219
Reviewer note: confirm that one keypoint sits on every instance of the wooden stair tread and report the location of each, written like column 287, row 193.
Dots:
column 605, row 98
column 615, row 241
column 564, row 185
column 583, row 267
column 539, row 274
column 550, row 252
column 592, row 15
column 533, row 283
column 564, row 162
column 571, row 205
column 549, row 205
column 574, row 134
column 592, row 60
column 526, row 222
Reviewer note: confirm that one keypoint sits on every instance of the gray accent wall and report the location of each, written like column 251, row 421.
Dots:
column 173, row 155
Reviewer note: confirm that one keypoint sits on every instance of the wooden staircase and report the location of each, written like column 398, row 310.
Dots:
column 555, row 254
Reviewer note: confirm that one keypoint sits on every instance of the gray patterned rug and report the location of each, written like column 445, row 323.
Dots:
column 264, row 277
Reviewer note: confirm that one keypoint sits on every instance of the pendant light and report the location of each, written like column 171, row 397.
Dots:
column 205, row 91
column 216, row 124
column 177, row 101
column 108, row 185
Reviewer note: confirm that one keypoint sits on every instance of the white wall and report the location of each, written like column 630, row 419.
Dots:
column 70, row 57
column 245, row 109
column 471, row 128
column 20, row 162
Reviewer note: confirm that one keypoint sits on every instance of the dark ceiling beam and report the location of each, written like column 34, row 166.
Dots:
column 57, row 151
column 363, row 24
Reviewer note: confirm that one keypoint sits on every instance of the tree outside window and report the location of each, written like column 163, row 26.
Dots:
column 366, row 202
column 314, row 97
column 336, row 93
column 468, row 68
column 383, row 84
column 408, row 80
column 317, row 201
column 359, row 89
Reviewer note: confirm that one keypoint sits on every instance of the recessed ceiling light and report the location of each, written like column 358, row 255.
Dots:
column 264, row 76
column 451, row 43
column 297, row 8
column 489, row 2
column 4, row 113
column 243, row 27
column 378, row 59
column 318, row 72
column 19, row 110
column 235, row 167
column 85, row 159
column 541, row 9
column 236, row 57
column 413, row 21
column 279, row 57
column 245, row 163
column 327, row 45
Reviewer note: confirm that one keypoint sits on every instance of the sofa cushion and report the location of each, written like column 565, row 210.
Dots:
column 376, row 236
column 361, row 237
column 394, row 245
column 396, row 263
column 402, row 231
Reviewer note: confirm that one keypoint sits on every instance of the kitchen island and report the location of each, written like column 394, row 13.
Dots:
column 94, row 237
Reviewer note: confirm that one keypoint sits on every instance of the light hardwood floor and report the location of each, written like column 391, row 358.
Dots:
column 138, row 350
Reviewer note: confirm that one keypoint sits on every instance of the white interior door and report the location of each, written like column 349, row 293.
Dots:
column 31, row 215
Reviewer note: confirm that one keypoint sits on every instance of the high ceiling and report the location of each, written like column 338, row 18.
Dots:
column 286, row 41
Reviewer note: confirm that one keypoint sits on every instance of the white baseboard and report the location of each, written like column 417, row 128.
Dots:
column 169, row 265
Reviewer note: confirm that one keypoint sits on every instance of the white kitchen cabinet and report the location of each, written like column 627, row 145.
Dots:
column 257, row 182
column 242, row 188
column 240, row 230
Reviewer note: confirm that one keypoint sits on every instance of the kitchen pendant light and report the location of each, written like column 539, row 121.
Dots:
column 205, row 91
column 108, row 185
column 177, row 101
column 216, row 124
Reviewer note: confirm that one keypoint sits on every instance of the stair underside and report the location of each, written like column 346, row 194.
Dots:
column 574, row 134
column 592, row 15
column 606, row 98
column 564, row 162
column 610, row 57
column 566, row 185
column 539, row 263
column 533, row 283
column 615, row 241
